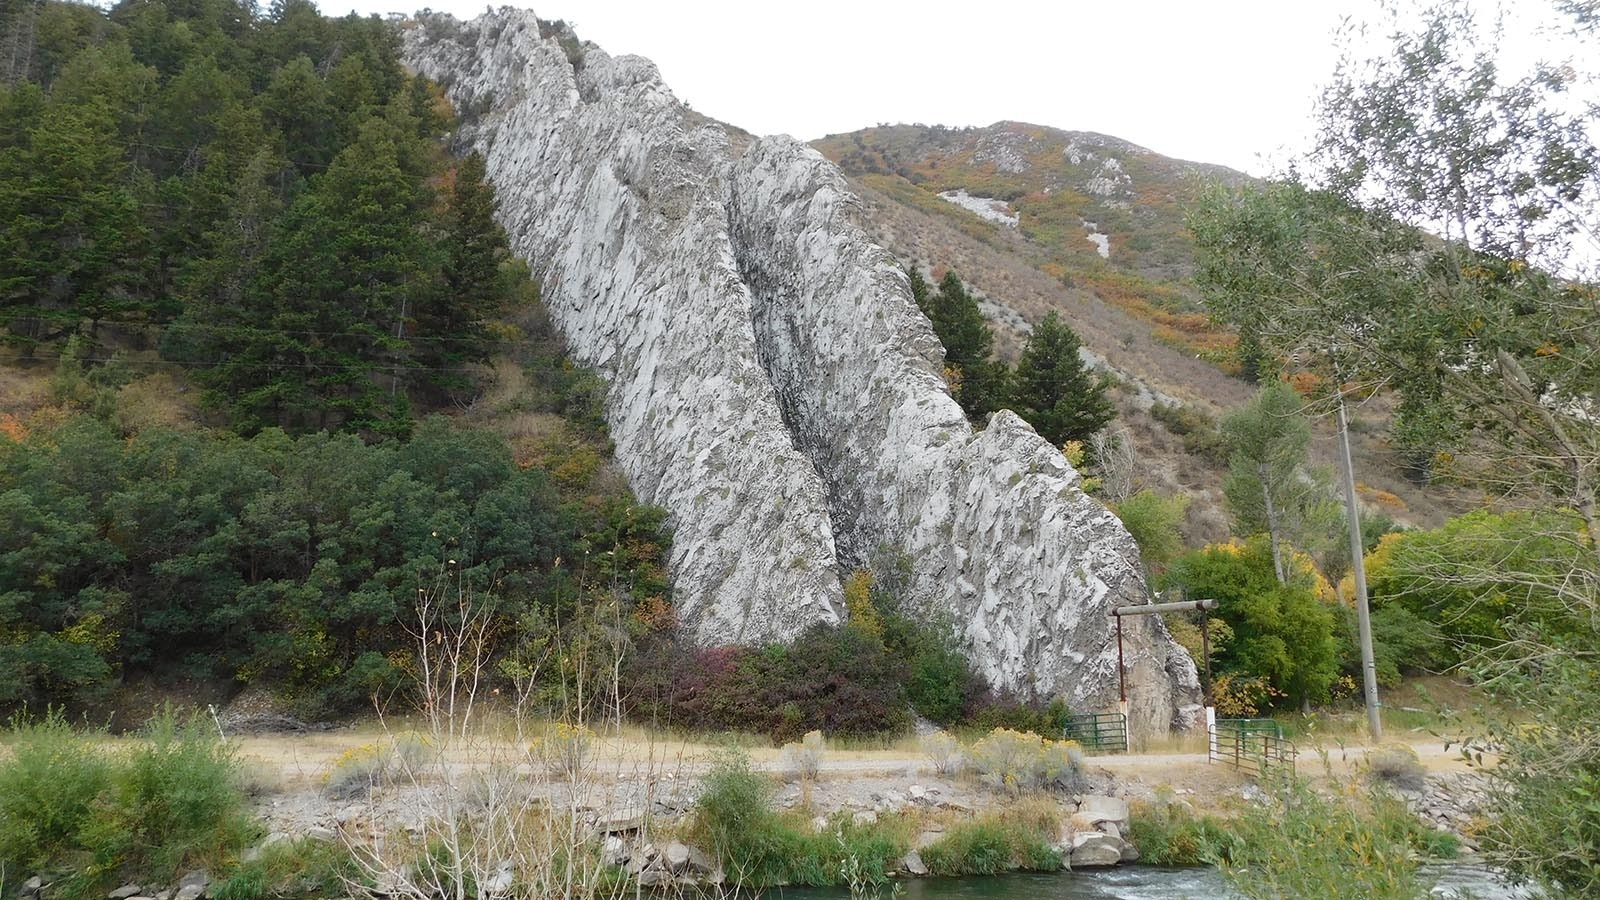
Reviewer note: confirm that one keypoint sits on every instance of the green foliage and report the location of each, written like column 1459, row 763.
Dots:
column 978, row 379
column 939, row 680
column 1053, row 389
column 169, row 803
column 1304, row 844
column 1481, row 572
column 291, row 560
column 174, row 803
column 758, row 847
column 1271, row 486
column 1195, row 428
column 48, row 786
column 291, row 868
column 1017, row 761
column 255, row 194
column 1282, row 631
column 837, row 680
column 996, row 842
column 1171, row 835
column 1156, row 523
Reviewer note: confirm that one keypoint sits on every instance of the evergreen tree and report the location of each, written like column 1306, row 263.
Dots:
column 297, row 104
column 72, row 227
column 452, row 326
column 322, row 343
column 919, row 287
column 979, row 381
column 1052, row 388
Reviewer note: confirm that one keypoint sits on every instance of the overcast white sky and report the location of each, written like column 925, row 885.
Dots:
column 1222, row 81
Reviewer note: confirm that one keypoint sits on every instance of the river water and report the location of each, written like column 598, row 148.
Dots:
column 1135, row 883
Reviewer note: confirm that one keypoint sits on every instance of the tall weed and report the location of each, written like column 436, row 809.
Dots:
column 48, row 786
column 169, row 803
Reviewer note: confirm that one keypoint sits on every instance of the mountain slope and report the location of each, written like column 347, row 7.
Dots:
column 1093, row 227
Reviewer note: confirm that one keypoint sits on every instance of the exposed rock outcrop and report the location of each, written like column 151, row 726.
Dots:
column 773, row 385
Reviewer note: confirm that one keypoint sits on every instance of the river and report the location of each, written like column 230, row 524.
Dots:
column 1134, row 883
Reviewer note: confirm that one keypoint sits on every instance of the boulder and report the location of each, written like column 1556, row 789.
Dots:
column 1095, row 808
column 677, row 857
column 33, row 886
column 1092, row 849
column 700, row 862
column 641, row 859
column 193, row 886
column 913, row 864
column 499, row 884
column 651, row 878
column 619, row 823
column 124, row 892
column 613, row 852
column 321, row 835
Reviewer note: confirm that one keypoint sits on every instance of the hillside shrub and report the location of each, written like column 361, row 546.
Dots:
column 96, row 813
column 174, row 803
column 804, row 758
column 1283, row 633
column 48, row 783
column 991, row 711
column 836, row 680
column 939, row 680
column 565, row 748
column 1171, row 835
column 942, row 750
column 1347, row 846
column 1195, row 428
column 1397, row 764
column 356, row 771
column 278, row 559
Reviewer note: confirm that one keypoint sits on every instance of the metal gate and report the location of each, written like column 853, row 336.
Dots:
column 1098, row 732
column 1254, row 746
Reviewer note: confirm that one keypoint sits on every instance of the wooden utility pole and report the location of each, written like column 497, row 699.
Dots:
column 1352, row 514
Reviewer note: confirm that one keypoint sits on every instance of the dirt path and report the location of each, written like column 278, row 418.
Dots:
column 303, row 759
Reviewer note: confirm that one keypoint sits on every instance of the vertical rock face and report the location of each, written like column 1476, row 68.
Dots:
column 773, row 385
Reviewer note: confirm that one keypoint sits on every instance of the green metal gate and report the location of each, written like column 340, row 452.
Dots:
column 1098, row 732
column 1254, row 746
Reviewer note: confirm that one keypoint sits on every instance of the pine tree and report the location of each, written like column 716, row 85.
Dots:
column 980, row 381
column 1052, row 388
column 452, row 326
column 919, row 287
column 323, row 339
column 73, row 230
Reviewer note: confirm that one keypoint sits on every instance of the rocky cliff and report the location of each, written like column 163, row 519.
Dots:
column 772, row 383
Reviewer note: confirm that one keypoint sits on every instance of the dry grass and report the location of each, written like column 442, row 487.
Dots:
column 23, row 389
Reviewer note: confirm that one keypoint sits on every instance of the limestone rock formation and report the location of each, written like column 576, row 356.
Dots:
column 773, row 385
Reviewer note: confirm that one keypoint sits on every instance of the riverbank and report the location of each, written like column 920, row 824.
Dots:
column 369, row 807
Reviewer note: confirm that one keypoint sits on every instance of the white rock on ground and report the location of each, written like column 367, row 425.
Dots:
column 772, row 384
column 998, row 211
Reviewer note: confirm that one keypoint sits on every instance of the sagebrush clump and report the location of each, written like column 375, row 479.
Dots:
column 1018, row 761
